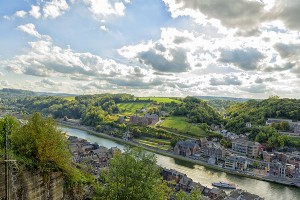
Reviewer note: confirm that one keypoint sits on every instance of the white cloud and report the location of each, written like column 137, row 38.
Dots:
column 1, row 74
column 104, row 8
column 4, row 84
column 30, row 29
column 21, row 14
column 35, row 11
column 103, row 28
column 55, row 8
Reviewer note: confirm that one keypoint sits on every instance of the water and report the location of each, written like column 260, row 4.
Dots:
column 203, row 175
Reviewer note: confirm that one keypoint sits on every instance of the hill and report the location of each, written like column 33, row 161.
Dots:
column 257, row 112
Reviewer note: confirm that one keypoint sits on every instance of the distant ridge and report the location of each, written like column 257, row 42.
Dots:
column 31, row 93
column 222, row 98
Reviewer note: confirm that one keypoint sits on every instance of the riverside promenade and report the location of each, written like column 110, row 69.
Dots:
column 279, row 180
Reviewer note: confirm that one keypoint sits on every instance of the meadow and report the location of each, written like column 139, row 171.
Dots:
column 180, row 125
column 161, row 99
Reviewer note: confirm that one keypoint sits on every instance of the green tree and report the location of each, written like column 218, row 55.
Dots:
column 181, row 195
column 41, row 144
column 8, row 124
column 195, row 194
column 134, row 175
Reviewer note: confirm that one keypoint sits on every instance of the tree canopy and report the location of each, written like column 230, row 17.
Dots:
column 134, row 175
column 41, row 144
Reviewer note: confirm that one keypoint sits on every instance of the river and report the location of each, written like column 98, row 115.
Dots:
column 203, row 175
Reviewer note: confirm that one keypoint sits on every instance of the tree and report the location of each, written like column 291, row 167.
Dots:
column 134, row 175
column 41, row 144
column 8, row 124
column 195, row 194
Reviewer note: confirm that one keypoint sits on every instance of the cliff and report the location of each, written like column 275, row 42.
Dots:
column 32, row 185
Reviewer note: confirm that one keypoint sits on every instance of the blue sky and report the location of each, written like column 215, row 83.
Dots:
column 244, row 48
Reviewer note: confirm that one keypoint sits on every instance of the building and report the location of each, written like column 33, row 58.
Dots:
column 186, row 148
column 294, row 126
column 245, row 147
column 248, row 124
column 242, row 195
column 236, row 163
column 213, row 151
column 146, row 120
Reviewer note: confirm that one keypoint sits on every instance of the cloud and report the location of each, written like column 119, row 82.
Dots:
column 104, row 8
column 49, row 82
column 280, row 68
column 21, row 14
column 30, row 29
column 245, row 15
column 245, row 59
column 4, row 84
column 255, row 88
column 260, row 80
column 288, row 12
column 35, row 11
column 103, row 28
column 225, row 80
column 1, row 74
column 177, row 62
column 55, row 8
column 288, row 51
column 231, row 13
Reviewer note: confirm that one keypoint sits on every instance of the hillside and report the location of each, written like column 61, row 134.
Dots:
column 257, row 112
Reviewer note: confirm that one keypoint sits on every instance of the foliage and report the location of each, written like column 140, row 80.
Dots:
column 134, row 175
column 93, row 116
column 181, row 125
column 271, row 137
column 161, row 99
column 283, row 126
column 226, row 143
column 8, row 124
column 257, row 112
column 41, row 144
column 197, row 111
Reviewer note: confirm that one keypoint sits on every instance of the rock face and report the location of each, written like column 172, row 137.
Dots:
column 32, row 185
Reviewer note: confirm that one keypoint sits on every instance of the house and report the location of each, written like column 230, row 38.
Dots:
column 245, row 147
column 236, row 163
column 270, row 121
column 214, row 193
column 248, row 124
column 146, row 120
column 121, row 120
column 242, row 195
column 213, row 151
column 268, row 157
column 186, row 148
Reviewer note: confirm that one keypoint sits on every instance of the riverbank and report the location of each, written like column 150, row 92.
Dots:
column 169, row 154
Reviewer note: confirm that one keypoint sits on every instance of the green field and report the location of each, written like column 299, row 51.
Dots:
column 180, row 125
column 132, row 107
column 153, row 142
column 70, row 98
column 160, row 99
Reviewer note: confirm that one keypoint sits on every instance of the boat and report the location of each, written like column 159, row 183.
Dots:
column 224, row 185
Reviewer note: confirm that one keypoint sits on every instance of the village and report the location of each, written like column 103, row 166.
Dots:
column 95, row 158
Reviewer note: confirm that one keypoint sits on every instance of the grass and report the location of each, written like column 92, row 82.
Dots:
column 180, row 125
column 161, row 99
column 70, row 98
column 152, row 143
column 130, row 108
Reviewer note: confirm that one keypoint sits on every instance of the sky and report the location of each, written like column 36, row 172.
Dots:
column 235, row 48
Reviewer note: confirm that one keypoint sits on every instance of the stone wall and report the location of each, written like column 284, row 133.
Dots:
column 33, row 185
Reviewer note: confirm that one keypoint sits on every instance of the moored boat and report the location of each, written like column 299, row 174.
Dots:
column 224, row 185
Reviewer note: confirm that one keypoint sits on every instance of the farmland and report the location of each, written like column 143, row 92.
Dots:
column 161, row 99
column 132, row 107
column 180, row 125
